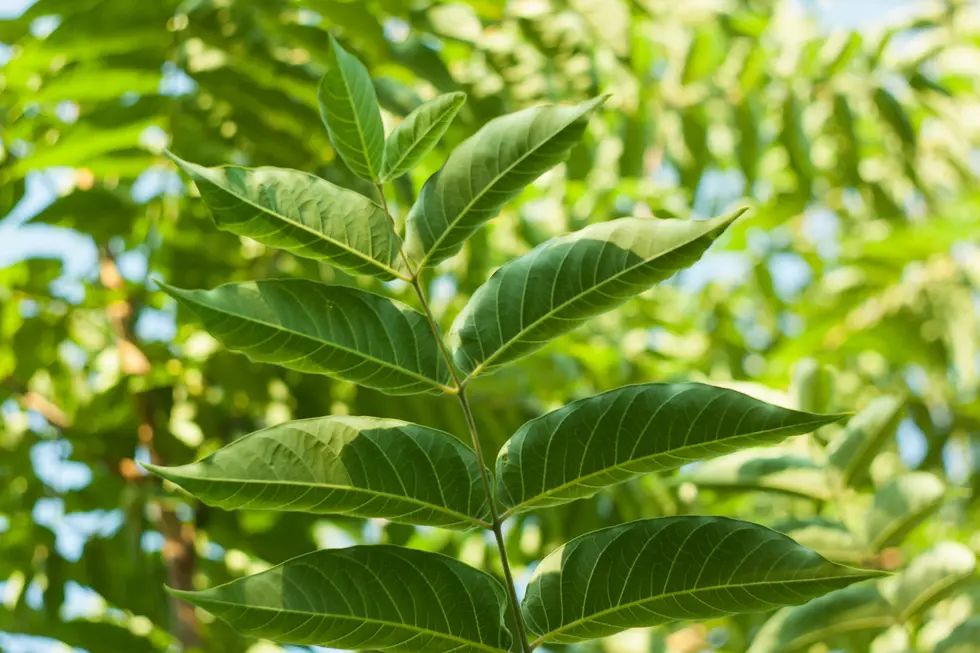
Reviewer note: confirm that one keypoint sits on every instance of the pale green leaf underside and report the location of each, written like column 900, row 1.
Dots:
column 929, row 578
column 857, row 609
column 349, row 108
column 302, row 214
column 592, row 443
column 415, row 136
column 327, row 329
column 357, row 466
column 485, row 172
column 567, row 280
column 773, row 470
column 367, row 597
column 866, row 433
column 658, row 571
column 901, row 505
column 830, row 539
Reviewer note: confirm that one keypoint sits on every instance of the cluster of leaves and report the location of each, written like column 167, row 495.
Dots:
column 91, row 86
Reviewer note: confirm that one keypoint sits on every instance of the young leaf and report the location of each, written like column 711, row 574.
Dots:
column 349, row 107
column 773, row 470
column 302, row 214
column 567, row 280
column 592, row 443
column 865, row 435
column 485, row 172
column 900, row 506
column 658, row 571
column 857, row 609
column 366, row 597
column 358, row 466
column 415, row 136
column 929, row 578
column 323, row 329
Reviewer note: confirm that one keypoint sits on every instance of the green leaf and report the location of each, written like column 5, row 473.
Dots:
column 929, row 578
column 857, row 609
column 963, row 639
column 349, row 107
column 896, row 117
column 864, row 436
column 358, row 466
column 658, row 571
column 415, row 136
column 774, row 470
column 486, row 171
column 567, row 280
column 364, row 597
column 830, row 539
column 301, row 213
column 320, row 328
column 593, row 443
column 900, row 506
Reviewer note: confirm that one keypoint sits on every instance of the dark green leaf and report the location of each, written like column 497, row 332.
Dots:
column 415, row 136
column 349, row 107
column 358, row 466
column 488, row 170
column 323, row 329
column 302, row 214
column 592, row 443
column 567, row 280
column 363, row 597
column 658, row 571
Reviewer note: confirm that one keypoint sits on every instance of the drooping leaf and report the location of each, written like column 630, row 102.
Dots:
column 349, row 108
column 963, row 639
column 858, row 609
column 323, row 329
column 366, row 597
column 896, row 117
column 415, row 136
column 485, row 172
column 900, row 506
column 774, row 469
column 657, row 571
column 592, row 443
column 567, row 280
column 301, row 213
column 359, row 466
column 929, row 578
column 865, row 435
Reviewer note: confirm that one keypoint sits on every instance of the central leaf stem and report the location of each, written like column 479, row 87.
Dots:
column 464, row 403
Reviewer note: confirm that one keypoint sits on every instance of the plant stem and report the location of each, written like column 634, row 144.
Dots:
column 464, row 403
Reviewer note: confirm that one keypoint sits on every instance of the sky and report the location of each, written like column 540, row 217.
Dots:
column 20, row 239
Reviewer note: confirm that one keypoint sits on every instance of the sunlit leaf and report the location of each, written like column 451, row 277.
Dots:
column 366, row 597
column 323, row 329
column 349, row 107
column 567, row 280
column 773, row 470
column 488, row 170
column 657, row 571
column 302, row 214
column 900, row 506
column 359, row 466
column 865, row 435
column 963, row 639
column 592, row 443
column 415, row 136
column 929, row 578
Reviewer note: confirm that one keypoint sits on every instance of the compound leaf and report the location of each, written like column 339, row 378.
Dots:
column 366, row 597
column 486, row 171
column 349, row 108
column 302, row 214
column 567, row 280
column 658, row 571
column 415, row 136
column 321, row 328
column 357, row 466
column 592, row 443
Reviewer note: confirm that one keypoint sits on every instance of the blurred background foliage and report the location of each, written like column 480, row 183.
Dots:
column 854, row 286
